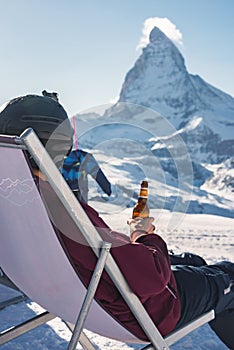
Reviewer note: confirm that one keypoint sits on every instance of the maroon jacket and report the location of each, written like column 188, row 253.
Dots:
column 145, row 265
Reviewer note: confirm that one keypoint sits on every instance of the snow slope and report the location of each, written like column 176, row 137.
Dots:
column 142, row 142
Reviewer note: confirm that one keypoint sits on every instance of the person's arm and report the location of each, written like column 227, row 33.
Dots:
column 103, row 182
column 144, row 262
column 97, row 174
column 145, row 265
column 144, row 268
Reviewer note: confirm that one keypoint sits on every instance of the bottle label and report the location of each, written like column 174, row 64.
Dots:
column 143, row 192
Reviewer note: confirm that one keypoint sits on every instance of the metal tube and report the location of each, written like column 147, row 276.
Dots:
column 24, row 327
column 89, row 295
column 83, row 340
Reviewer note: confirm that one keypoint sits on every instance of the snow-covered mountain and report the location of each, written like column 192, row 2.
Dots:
column 160, row 80
column 183, row 128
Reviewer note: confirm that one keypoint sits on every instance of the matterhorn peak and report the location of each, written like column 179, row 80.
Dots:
column 159, row 78
column 156, row 35
column 160, row 43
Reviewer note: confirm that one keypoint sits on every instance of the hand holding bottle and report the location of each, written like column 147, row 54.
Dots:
column 140, row 226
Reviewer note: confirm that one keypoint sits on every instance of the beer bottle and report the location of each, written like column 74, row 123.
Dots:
column 141, row 208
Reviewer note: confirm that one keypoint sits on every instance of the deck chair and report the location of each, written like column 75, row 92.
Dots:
column 49, row 279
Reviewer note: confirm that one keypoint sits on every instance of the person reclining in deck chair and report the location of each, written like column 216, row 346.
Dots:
column 173, row 295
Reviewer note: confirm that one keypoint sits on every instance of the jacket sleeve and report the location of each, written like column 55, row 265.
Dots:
column 145, row 265
column 96, row 172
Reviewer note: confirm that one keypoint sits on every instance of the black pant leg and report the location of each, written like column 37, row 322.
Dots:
column 197, row 293
column 223, row 326
column 187, row 258
column 204, row 288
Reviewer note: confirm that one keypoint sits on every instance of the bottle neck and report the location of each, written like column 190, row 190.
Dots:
column 142, row 200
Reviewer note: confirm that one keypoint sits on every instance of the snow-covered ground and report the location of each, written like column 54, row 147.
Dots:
column 210, row 236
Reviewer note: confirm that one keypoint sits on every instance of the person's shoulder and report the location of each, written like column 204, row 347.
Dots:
column 83, row 153
column 79, row 155
column 76, row 153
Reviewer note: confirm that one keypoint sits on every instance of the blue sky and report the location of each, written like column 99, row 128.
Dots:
column 83, row 49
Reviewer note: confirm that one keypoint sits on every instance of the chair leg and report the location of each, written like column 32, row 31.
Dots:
column 84, row 340
column 24, row 327
column 89, row 295
column 12, row 301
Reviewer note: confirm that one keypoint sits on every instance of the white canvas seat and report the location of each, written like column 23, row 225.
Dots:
column 34, row 260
